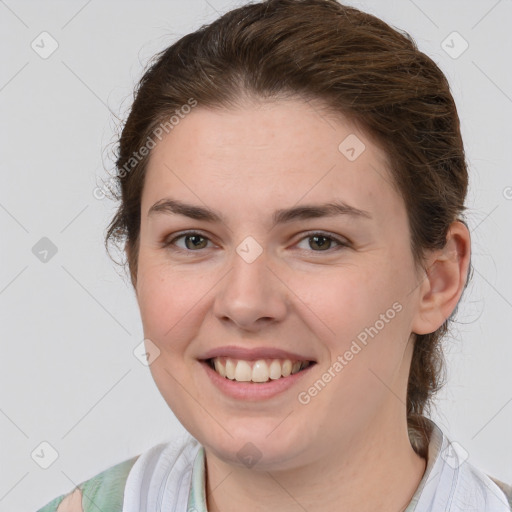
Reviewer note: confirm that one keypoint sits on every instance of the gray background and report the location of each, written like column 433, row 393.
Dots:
column 69, row 325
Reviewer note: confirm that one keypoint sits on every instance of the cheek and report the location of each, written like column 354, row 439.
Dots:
column 343, row 301
column 362, row 318
column 165, row 300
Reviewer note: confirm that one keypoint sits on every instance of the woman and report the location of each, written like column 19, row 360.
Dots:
column 292, row 183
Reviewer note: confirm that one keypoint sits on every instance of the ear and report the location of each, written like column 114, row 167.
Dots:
column 444, row 281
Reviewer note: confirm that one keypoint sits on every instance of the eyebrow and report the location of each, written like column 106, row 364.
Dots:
column 312, row 211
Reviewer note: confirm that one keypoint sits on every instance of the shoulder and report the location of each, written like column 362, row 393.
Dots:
column 105, row 490
column 506, row 488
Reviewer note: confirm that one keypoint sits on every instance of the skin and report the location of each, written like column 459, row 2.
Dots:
column 348, row 448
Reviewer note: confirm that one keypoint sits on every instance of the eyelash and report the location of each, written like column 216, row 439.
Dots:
column 341, row 243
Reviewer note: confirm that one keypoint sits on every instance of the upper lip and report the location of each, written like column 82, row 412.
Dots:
column 251, row 354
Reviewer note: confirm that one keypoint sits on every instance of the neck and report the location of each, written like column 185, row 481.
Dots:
column 377, row 471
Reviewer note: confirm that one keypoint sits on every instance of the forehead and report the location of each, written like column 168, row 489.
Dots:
column 269, row 154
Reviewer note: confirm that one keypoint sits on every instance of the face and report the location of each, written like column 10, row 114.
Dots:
column 264, row 277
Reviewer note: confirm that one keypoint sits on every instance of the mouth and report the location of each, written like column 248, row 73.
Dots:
column 258, row 371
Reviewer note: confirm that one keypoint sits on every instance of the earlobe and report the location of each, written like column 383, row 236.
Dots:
column 444, row 282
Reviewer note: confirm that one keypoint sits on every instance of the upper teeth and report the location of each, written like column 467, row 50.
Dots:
column 256, row 371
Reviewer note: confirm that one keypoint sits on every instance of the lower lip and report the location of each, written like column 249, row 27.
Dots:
column 253, row 390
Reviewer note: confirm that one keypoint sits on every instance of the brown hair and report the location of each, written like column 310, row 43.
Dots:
column 357, row 66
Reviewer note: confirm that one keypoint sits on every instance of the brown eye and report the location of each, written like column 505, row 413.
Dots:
column 193, row 242
column 320, row 242
column 196, row 241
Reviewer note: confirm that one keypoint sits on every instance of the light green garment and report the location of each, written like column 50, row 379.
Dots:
column 106, row 490
column 103, row 492
column 197, row 496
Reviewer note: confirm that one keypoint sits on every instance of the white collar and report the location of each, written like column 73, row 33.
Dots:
column 452, row 484
column 170, row 477
column 160, row 479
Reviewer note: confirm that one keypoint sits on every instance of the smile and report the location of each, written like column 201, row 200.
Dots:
column 259, row 371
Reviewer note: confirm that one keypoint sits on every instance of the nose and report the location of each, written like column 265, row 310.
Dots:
column 251, row 295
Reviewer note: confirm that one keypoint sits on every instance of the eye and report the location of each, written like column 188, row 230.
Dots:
column 323, row 241
column 192, row 240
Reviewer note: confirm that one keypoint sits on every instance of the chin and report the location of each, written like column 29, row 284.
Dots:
column 254, row 448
